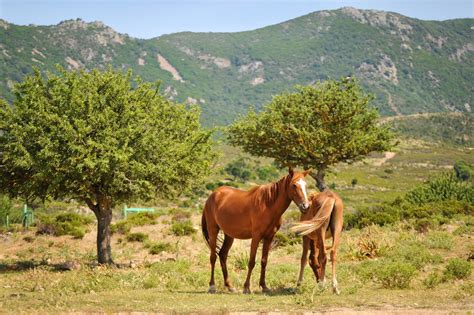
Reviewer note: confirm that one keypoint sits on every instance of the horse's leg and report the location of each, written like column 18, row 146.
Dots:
column 228, row 241
column 304, row 259
column 335, row 243
column 313, row 263
column 213, row 230
column 322, row 256
column 267, row 242
column 253, row 254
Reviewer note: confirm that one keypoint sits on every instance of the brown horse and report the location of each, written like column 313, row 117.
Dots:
column 254, row 214
column 325, row 215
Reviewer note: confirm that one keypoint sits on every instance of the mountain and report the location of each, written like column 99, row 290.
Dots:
column 410, row 65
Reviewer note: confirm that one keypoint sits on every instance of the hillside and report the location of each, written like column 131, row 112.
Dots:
column 410, row 65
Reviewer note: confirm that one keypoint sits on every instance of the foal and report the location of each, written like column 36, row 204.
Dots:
column 254, row 214
column 323, row 220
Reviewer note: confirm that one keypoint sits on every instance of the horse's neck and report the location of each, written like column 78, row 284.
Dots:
column 282, row 202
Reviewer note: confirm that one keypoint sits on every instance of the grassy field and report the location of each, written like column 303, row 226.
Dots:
column 163, row 264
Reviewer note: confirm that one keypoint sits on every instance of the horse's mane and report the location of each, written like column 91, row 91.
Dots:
column 267, row 194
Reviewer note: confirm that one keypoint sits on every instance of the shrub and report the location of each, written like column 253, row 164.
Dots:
column 414, row 253
column 135, row 219
column 63, row 224
column 441, row 188
column 121, row 227
column 239, row 169
column 432, row 280
column 137, row 237
column 438, row 239
column 183, row 228
column 267, row 172
column 354, row 182
column 283, row 239
column 396, row 275
column 156, row 248
column 462, row 170
column 457, row 268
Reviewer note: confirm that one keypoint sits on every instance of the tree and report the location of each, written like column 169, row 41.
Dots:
column 315, row 127
column 239, row 169
column 463, row 170
column 99, row 137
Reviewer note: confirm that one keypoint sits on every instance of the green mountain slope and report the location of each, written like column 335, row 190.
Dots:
column 410, row 65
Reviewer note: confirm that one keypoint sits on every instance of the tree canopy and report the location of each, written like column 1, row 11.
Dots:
column 101, row 137
column 315, row 127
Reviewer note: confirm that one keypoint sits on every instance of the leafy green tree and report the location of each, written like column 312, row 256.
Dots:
column 463, row 170
column 99, row 137
column 315, row 128
column 240, row 169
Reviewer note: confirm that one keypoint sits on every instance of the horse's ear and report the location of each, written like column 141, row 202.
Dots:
column 306, row 172
column 290, row 171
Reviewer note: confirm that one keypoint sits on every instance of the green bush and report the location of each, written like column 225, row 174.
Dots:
column 239, row 169
column 283, row 239
column 396, row 275
column 457, row 268
column 463, row 170
column 135, row 219
column 183, row 228
column 137, row 237
column 432, row 280
column 267, row 173
column 156, row 248
column 64, row 224
column 121, row 227
column 414, row 253
column 439, row 239
column 441, row 188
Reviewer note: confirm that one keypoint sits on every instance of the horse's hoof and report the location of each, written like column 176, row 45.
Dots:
column 266, row 290
column 336, row 291
column 247, row 291
column 231, row 289
column 212, row 289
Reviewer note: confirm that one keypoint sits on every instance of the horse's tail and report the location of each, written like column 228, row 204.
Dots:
column 321, row 217
column 205, row 232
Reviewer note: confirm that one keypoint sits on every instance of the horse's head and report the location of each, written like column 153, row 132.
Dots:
column 297, row 189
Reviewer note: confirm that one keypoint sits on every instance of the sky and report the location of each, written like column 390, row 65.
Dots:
column 147, row 18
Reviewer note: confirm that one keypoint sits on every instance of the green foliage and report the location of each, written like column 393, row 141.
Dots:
column 440, row 240
column 134, row 219
column 239, row 169
column 432, row 280
column 354, row 182
column 183, row 228
column 396, row 275
column 315, row 127
column 414, row 253
column 457, row 269
column 283, row 238
column 95, row 135
column 463, row 170
column 157, row 248
column 267, row 172
column 429, row 80
column 5, row 208
column 137, row 237
column 63, row 224
column 441, row 188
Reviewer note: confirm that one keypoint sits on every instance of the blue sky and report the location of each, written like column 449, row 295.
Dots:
column 146, row 18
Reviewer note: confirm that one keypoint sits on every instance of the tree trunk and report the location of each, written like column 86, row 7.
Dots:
column 104, row 252
column 103, row 213
column 319, row 178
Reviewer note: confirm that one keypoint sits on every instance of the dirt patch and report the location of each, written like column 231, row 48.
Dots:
column 165, row 65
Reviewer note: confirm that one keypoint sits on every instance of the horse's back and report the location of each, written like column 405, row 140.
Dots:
column 229, row 208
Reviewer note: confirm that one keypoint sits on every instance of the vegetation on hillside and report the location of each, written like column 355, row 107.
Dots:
column 410, row 65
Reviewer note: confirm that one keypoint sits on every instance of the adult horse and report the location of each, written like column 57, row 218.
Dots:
column 254, row 214
column 325, row 215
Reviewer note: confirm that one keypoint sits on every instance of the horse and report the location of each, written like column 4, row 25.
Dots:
column 254, row 214
column 323, row 220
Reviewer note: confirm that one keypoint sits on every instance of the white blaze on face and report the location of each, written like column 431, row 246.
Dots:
column 302, row 184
